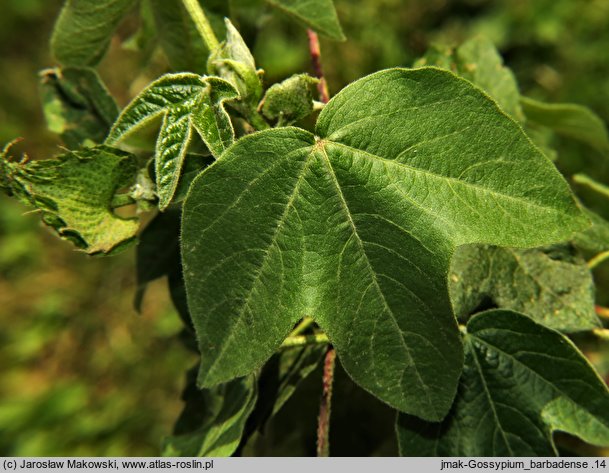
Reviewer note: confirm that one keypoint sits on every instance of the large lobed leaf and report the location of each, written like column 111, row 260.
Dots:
column 74, row 194
column 355, row 227
column 521, row 382
column 84, row 28
column 186, row 102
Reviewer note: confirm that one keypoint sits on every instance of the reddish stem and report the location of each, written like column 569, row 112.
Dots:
column 323, row 423
column 314, row 49
column 602, row 311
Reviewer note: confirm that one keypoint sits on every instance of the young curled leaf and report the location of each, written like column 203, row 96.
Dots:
column 74, row 194
column 234, row 62
column 187, row 103
column 290, row 100
column 77, row 105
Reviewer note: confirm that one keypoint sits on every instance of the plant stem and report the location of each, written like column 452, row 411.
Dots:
column 301, row 340
column 314, row 49
column 304, row 324
column 201, row 23
column 325, row 405
column 587, row 181
column 601, row 333
column 323, row 422
column 598, row 259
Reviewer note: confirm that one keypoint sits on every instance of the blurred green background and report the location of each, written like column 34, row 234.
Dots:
column 81, row 372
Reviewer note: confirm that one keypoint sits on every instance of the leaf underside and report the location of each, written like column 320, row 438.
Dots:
column 521, row 382
column 355, row 227
column 74, row 194
column 77, row 105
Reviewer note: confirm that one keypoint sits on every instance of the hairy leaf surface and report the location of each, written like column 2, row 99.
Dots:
column 319, row 15
column 521, row 382
column 74, row 194
column 233, row 61
column 290, row 100
column 186, row 102
column 77, row 105
column 84, row 28
column 552, row 285
column 355, row 227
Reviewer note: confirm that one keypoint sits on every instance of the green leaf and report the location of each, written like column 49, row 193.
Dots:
column 77, row 105
column 478, row 61
column 543, row 138
column 158, row 251
column 574, row 121
column 355, row 227
column 233, row 61
column 595, row 239
column 290, row 100
column 280, row 378
column 180, row 40
column 521, row 382
column 84, row 28
column 319, row 15
column 193, row 165
column 74, row 194
column 552, row 285
column 185, row 101
column 213, row 419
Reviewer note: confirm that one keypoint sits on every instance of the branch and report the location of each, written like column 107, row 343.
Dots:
column 598, row 259
column 323, row 423
column 314, row 49
column 201, row 23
